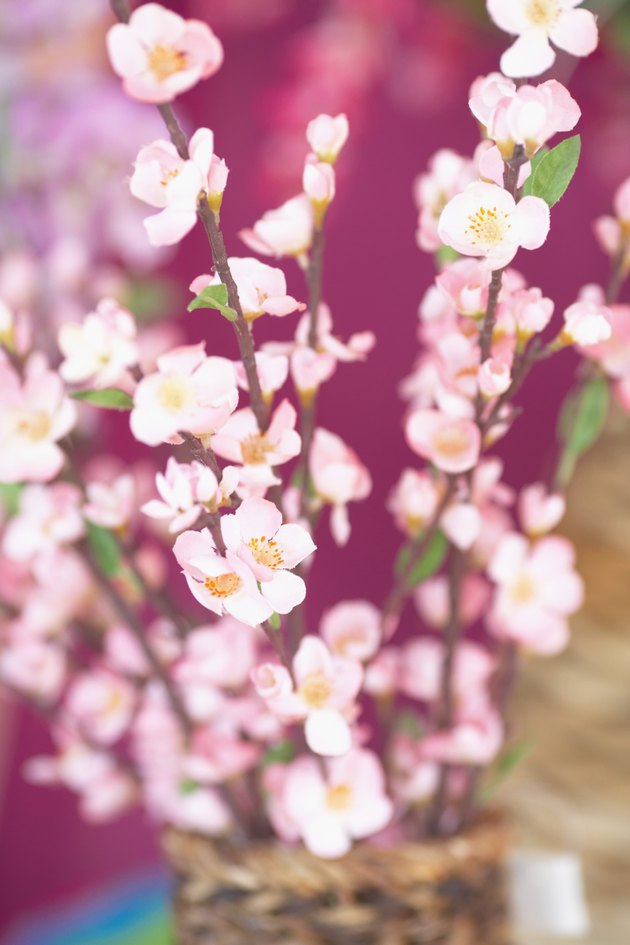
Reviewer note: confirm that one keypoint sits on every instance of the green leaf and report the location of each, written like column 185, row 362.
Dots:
column 445, row 255
column 275, row 622
column 409, row 723
column 149, row 299
column 214, row 296
column 10, row 497
column 110, row 397
column 402, row 560
column 188, row 786
column 535, row 161
column 581, row 422
column 506, row 764
column 281, row 754
column 553, row 173
column 431, row 560
column 104, row 547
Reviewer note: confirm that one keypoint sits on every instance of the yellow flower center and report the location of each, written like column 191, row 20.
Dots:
column 169, row 176
column 543, row 13
column 114, row 701
column 523, row 590
column 254, row 449
column 316, row 690
column 223, row 585
column 347, row 640
column 339, row 797
column 165, row 61
column 450, row 441
column 266, row 552
column 488, row 226
column 33, row 425
column 175, row 392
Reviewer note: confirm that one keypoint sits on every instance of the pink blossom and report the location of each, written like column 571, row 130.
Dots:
column 286, row 231
column 48, row 517
column 537, row 23
column 240, row 441
column 447, row 175
column 188, row 392
column 452, row 445
column 215, row 756
column 108, row 797
column 34, row 415
column 462, row 523
column 537, row 589
column 221, row 584
column 272, row 370
column 101, row 704
column 525, row 312
column 495, row 376
column 111, row 505
column 539, row 511
column 185, row 490
column 331, row 811
column 327, row 135
column 309, row 370
column 475, row 739
column 101, row 348
column 586, row 323
column 486, row 221
column 614, row 354
column 382, row 674
column 159, row 55
column 491, row 166
column 421, row 670
column 105, row 790
column 528, row 116
column 163, row 179
column 220, row 655
column 270, row 549
column 262, row 289
column 621, row 202
column 465, row 283
column 318, row 182
column 124, row 653
column 326, row 687
column 202, row 810
column 35, row 668
column 414, row 500
column 414, row 779
column 339, row 477
column 356, row 348
column 352, row 629
column 432, row 600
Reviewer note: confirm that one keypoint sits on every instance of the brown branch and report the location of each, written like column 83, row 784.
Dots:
column 217, row 245
column 120, row 10
column 445, row 716
column 619, row 272
column 130, row 619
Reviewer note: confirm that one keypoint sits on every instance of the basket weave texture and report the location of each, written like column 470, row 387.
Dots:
column 446, row 892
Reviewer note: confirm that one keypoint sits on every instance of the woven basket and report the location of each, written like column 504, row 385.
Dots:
column 447, row 892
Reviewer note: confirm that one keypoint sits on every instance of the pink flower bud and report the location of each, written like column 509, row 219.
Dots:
column 327, row 135
column 539, row 511
column 586, row 323
column 494, row 376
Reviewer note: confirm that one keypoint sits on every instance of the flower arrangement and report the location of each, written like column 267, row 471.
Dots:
column 234, row 718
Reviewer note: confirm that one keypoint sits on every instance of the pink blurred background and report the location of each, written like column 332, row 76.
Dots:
column 401, row 70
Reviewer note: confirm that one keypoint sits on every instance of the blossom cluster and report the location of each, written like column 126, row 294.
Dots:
column 185, row 690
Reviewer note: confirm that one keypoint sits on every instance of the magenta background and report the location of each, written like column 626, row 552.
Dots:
column 374, row 278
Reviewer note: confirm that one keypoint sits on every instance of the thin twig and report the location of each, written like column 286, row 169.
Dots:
column 402, row 589
column 130, row 619
column 445, row 716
